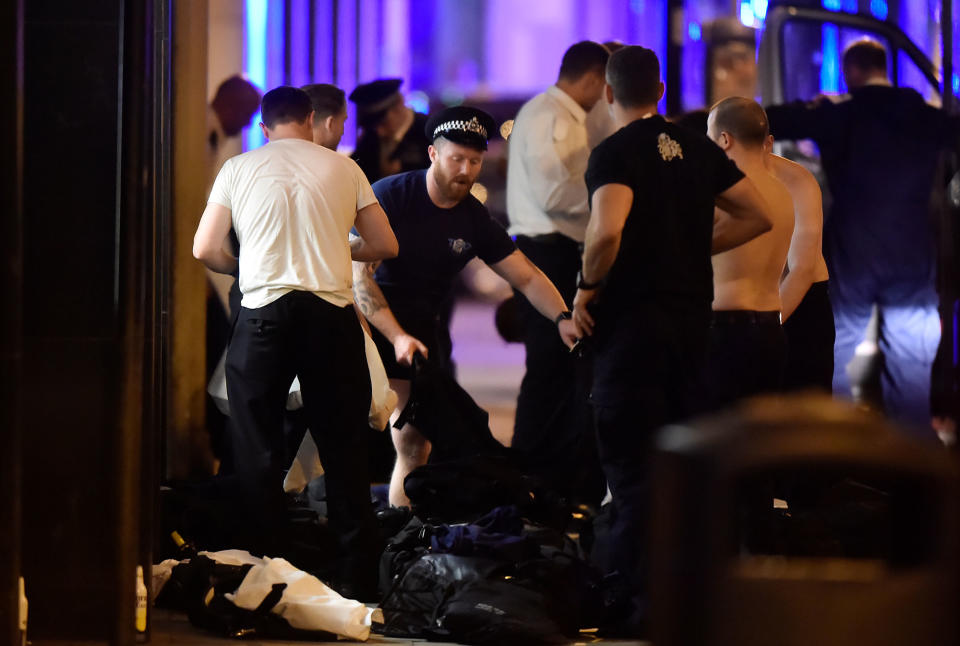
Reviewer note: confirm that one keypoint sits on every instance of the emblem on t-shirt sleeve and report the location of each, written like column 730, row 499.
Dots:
column 458, row 245
column 669, row 148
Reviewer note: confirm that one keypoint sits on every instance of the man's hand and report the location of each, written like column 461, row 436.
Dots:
column 568, row 332
column 405, row 346
column 581, row 317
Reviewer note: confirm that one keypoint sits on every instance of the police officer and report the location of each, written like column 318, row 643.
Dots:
column 440, row 227
column 392, row 136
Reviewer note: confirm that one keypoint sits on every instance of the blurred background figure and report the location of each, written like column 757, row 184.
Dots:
column 392, row 138
column 231, row 109
column 599, row 120
column 329, row 113
column 880, row 146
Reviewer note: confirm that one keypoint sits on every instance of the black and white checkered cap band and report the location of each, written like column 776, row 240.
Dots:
column 459, row 124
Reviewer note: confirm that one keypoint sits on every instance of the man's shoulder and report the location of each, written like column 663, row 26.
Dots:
column 402, row 188
column 399, row 181
column 633, row 137
column 539, row 106
column 474, row 206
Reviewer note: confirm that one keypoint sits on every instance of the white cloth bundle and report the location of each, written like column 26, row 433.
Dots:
column 306, row 603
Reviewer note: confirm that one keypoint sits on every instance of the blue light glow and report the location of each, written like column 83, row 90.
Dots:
column 830, row 68
column 850, row 6
column 694, row 31
column 637, row 6
column 419, row 102
column 760, row 9
column 956, row 84
column 879, row 9
column 255, row 60
column 832, row 5
column 747, row 16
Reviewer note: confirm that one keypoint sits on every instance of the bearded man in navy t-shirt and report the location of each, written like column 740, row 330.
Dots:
column 440, row 227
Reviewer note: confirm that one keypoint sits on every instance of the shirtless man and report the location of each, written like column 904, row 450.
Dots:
column 747, row 343
column 806, row 312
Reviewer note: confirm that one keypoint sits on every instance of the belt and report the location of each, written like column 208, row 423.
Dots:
column 745, row 317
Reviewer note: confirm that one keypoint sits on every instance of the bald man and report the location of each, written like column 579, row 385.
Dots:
column 747, row 343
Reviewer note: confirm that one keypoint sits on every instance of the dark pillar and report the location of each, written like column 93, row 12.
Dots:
column 674, row 63
column 89, row 204
column 11, row 281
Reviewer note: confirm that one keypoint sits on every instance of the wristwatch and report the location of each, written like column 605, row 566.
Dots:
column 582, row 284
column 565, row 315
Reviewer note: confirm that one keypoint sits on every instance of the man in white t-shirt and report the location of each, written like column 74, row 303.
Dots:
column 292, row 204
column 548, row 211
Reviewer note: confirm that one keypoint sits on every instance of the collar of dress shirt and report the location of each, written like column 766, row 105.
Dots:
column 578, row 112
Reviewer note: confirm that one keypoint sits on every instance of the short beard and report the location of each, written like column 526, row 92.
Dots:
column 449, row 189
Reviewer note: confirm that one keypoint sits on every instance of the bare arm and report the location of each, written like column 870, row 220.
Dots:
column 527, row 278
column 377, row 240
column 744, row 216
column 610, row 207
column 370, row 300
column 806, row 245
column 210, row 241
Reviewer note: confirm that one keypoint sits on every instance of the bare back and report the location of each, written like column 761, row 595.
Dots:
column 748, row 277
column 808, row 214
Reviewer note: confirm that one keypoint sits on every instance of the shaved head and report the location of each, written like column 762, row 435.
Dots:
column 743, row 119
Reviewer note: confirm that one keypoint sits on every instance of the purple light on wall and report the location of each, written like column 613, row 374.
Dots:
column 255, row 59
column 395, row 60
column 323, row 42
column 299, row 44
column 345, row 63
column 276, row 45
column 346, row 44
column 369, row 34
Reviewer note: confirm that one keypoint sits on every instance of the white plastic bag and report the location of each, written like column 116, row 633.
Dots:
column 306, row 603
column 382, row 400
column 217, row 389
column 306, row 466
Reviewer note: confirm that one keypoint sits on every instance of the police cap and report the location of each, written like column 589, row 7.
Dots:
column 463, row 125
column 373, row 98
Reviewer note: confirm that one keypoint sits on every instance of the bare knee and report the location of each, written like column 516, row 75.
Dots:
column 411, row 446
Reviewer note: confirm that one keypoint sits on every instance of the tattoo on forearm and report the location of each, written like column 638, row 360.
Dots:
column 366, row 292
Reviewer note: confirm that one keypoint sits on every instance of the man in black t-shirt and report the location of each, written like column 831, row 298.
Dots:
column 645, row 292
column 440, row 226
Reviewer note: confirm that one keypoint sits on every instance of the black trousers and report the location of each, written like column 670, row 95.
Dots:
column 810, row 338
column 647, row 367
column 553, row 427
column 301, row 334
column 746, row 356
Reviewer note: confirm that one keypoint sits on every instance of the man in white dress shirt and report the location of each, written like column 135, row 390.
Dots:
column 548, row 211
